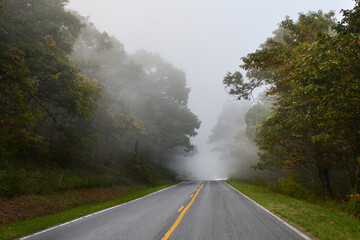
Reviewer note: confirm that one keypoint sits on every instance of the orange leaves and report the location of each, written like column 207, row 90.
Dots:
column 352, row 197
column 297, row 135
column 50, row 42
column 289, row 163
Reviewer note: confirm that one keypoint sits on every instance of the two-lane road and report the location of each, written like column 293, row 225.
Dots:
column 190, row 210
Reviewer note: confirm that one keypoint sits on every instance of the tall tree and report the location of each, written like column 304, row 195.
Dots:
column 144, row 107
column 37, row 77
column 304, row 72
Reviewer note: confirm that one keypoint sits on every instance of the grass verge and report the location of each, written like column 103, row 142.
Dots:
column 19, row 229
column 320, row 222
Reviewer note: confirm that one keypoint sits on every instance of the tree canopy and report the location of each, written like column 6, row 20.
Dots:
column 69, row 93
column 312, row 69
column 38, row 81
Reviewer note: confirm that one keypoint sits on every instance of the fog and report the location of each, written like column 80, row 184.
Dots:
column 203, row 38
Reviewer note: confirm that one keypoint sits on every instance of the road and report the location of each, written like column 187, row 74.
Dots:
column 190, row 210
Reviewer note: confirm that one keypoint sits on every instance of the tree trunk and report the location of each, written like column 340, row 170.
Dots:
column 325, row 182
column 136, row 148
column 357, row 179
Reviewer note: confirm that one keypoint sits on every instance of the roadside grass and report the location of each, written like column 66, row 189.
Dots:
column 18, row 229
column 320, row 221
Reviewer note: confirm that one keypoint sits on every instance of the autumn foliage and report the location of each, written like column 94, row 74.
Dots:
column 72, row 98
column 311, row 67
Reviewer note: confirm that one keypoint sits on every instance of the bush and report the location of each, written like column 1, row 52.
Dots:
column 351, row 205
column 142, row 170
column 10, row 184
column 260, row 182
column 293, row 189
column 290, row 188
column 35, row 180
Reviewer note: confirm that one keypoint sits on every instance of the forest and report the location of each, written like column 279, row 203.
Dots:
column 307, row 129
column 76, row 110
column 92, row 123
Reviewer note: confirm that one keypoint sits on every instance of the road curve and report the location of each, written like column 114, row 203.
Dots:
column 189, row 210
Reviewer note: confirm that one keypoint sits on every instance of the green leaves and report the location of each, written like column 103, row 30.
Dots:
column 38, row 81
column 314, row 75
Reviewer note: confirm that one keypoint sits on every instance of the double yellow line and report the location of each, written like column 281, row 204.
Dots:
column 178, row 220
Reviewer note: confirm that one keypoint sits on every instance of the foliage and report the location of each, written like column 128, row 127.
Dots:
column 292, row 189
column 17, row 114
column 72, row 98
column 311, row 66
column 352, row 207
column 144, row 107
column 35, row 178
column 230, row 142
column 169, row 121
column 142, row 170
column 38, row 81
column 9, row 184
column 254, row 117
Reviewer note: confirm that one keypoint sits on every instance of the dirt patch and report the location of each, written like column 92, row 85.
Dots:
column 30, row 206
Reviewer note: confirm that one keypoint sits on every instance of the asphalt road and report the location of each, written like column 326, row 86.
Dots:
column 189, row 210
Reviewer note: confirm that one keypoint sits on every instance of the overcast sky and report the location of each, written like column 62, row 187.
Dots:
column 205, row 38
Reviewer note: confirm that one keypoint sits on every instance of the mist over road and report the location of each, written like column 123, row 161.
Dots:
column 189, row 210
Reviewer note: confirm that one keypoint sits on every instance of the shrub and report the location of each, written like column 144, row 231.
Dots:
column 10, row 184
column 142, row 170
column 293, row 189
column 351, row 205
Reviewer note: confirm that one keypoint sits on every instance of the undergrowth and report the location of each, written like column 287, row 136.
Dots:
column 349, row 205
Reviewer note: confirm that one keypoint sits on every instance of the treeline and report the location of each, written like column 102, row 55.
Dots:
column 228, row 140
column 232, row 139
column 71, row 96
column 311, row 68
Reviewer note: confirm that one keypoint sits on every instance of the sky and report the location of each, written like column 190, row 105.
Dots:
column 205, row 38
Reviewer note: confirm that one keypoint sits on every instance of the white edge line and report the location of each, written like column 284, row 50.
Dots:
column 91, row 214
column 272, row 214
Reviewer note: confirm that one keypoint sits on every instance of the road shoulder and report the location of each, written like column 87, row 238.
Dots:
column 314, row 219
column 22, row 228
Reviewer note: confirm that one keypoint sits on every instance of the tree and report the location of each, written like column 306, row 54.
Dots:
column 256, row 115
column 312, row 80
column 38, row 81
column 169, row 121
column 144, row 106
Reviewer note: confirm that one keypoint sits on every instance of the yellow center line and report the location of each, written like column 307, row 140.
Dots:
column 178, row 220
column 191, row 195
column 180, row 208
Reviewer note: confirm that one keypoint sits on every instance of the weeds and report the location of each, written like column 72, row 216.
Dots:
column 349, row 205
column 17, row 182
